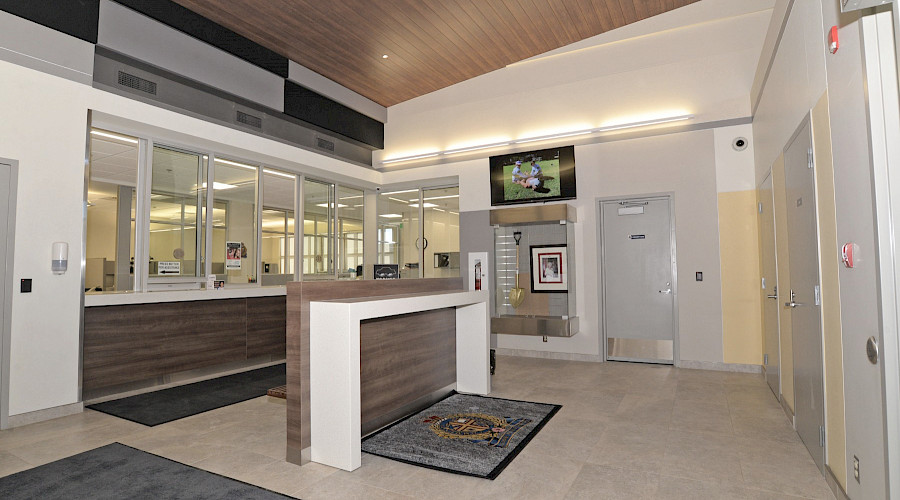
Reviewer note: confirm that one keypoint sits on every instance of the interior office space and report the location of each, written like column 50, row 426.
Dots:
column 762, row 72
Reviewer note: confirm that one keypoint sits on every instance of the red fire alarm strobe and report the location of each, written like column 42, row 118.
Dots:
column 833, row 43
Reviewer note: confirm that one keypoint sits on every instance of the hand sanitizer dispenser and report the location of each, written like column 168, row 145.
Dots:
column 60, row 257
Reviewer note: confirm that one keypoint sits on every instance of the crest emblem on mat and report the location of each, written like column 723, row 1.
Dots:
column 477, row 427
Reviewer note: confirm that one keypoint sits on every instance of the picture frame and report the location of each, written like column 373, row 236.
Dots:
column 549, row 269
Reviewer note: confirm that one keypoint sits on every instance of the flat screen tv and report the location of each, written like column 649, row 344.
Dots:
column 533, row 176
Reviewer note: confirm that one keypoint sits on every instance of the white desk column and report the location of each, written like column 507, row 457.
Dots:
column 473, row 360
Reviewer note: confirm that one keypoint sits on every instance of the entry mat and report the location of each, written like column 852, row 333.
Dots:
column 463, row 434
column 159, row 407
column 116, row 471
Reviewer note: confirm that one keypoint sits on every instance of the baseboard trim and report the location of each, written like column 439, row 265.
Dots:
column 565, row 356
column 36, row 416
column 835, row 486
column 720, row 367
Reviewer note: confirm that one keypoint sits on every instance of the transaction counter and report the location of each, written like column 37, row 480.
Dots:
column 135, row 341
column 398, row 350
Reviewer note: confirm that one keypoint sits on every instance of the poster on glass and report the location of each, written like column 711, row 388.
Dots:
column 233, row 255
column 548, row 269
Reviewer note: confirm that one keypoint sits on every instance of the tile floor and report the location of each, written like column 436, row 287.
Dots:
column 625, row 431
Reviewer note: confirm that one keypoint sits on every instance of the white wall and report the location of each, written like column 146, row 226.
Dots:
column 682, row 164
column 705, row 69
column 795, row 83
column 44, row 127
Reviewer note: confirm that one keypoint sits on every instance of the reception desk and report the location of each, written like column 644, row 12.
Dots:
column 335, row 362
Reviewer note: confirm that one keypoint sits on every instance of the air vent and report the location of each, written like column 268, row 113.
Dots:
column 137, row 83
column 253, row 121
column 325, row 144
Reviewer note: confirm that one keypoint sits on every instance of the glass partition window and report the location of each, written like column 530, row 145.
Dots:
column 277, row 228
column 177, row 190
column 235, row 192
column 398, row 231
column 441, row 209
column 111, row 205
column 350, row 210
column 318, row 219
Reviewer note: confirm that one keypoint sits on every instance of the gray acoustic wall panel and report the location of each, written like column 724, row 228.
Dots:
column 477, row 235
column 128, row 32
column 29, row 44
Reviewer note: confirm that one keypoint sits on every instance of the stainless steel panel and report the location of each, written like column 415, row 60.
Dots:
column 658, row 351
column 533, row 214
column 535, row 325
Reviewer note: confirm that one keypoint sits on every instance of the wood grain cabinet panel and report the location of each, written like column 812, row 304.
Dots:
column 140, row 342
column 404, row 358
column 266, row 326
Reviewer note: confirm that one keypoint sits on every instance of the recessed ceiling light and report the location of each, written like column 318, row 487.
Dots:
column 385, row 56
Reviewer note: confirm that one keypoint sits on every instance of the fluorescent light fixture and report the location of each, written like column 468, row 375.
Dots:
column 408, row 158
column 391, row 216
column 280, row 174
column 426, row 205
column 398, row 199
column 114, row 136
column 221, row 185
column 351, row 197
column 645, row 123
column 439, row 210
column 606, row 128
column 555, row 136
column 330, row 205
column 401, row 192
column 440, row 197
column 235, row 164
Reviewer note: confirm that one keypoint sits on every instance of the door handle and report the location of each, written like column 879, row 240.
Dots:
column 668, row 290
column 792, row 304
column 772, row 297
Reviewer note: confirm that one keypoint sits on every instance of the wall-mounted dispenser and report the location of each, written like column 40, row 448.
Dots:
column 60, row 257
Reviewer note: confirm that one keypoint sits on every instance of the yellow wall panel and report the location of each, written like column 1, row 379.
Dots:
column 738, row 243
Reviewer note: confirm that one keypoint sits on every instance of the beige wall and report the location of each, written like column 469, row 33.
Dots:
column 741, row 325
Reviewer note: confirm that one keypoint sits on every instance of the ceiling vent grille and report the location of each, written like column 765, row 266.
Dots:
column 325, row 144
column 137, row 83
column 250, row 120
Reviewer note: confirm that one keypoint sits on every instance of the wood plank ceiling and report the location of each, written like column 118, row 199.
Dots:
column 430, row 44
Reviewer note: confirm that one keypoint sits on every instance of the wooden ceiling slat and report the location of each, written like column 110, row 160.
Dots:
column 431, row 43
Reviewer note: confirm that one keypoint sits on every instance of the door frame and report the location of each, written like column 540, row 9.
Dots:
column 6, row 327
column 601, row 276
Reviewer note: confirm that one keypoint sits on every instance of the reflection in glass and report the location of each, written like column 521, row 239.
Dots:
column 234, row 220
column 350, row 231
column 318, row 217
column 441, row 232
column 277, row 228
column 176, row 190
column 398, row 231
column 111, row 204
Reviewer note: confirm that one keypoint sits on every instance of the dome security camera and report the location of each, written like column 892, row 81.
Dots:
column 739, row 143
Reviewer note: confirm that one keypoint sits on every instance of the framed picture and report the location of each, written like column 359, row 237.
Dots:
column 549, row 266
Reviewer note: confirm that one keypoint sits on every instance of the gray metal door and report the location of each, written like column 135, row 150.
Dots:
column 638, row 279
column 802, row 300
column 769, row 285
